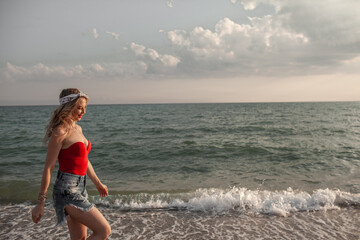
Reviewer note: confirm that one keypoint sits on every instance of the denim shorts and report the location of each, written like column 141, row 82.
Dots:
column 69, row 189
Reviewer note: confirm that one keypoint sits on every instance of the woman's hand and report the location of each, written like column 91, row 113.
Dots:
column 103, row 190
column 38, row 212
column 54, row 147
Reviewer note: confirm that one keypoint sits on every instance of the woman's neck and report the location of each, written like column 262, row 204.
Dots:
column 73, row 124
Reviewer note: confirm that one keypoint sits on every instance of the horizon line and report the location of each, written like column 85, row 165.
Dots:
column 169, row 103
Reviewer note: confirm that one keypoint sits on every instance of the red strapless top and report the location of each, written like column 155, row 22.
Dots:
column 74, row 159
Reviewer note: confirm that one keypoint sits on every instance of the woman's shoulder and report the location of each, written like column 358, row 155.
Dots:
column 79, row 127
column 58, row 134
column 60, row 131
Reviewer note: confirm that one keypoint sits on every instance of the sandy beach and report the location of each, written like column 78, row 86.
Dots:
column 15, row 223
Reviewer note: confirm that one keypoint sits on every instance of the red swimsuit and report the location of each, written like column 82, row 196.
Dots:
column 74, row 159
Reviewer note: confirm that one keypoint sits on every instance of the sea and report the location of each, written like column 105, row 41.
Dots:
column 197, row 171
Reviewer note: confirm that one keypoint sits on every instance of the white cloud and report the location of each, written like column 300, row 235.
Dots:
column 250, row 5
column 115, row 35
column 226, row 26
column 97, row 67
column 178, row 37
column 256, row 43
column 330, row 22
column 168, row 60
column 299, row 37
column 138, row 49
column 170, row 3
column 95, row 34
column 153, row 56
column 39, row 72
column 43, row 73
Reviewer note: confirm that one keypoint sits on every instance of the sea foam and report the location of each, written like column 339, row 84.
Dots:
column 215, row 200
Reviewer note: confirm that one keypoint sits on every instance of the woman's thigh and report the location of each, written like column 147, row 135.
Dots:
column 92, row 219
column 76, row 229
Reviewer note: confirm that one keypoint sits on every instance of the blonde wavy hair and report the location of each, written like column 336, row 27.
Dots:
column 62, row 115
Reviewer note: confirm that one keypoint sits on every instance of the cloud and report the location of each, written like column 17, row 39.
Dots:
column 250, row 5
column 39, row 72
column 115, row 35
column 170, row 3
column 97, row 67
column 95, row 34
column 153, row 56
column 42, row 73
column 245, row 48
column 138, row 49
column 300, row 37
column 330, row 22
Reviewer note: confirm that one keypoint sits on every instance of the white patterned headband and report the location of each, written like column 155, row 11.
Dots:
column 72, row 97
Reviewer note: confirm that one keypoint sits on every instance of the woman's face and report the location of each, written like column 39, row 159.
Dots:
column 79, row 109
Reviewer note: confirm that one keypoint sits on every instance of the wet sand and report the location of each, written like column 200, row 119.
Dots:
column 15, row 223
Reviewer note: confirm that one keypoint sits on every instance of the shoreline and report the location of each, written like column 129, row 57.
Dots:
column 187, row 103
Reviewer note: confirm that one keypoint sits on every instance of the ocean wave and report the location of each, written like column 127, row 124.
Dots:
column 214, row 200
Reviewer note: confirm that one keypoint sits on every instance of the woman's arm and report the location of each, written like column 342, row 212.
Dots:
column 102, row 188
column 54, row 146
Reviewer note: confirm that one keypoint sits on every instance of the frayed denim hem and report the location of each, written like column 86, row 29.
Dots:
column 61, row 217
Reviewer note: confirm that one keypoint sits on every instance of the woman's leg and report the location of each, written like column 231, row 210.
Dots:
column 92, row 219
column 77, row 230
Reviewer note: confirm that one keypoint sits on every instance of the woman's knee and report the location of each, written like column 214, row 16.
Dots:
column 104, row 231
column 107, row 230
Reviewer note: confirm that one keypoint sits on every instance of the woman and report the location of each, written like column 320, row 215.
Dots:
column 68, row 144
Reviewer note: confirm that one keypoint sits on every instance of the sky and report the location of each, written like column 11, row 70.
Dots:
column 180, row 51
